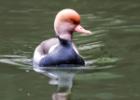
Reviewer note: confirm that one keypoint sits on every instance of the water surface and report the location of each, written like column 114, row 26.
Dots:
column 114, row 48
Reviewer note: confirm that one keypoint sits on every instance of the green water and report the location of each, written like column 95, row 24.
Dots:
column 114, row 47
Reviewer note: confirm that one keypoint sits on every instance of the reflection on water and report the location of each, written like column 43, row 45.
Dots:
column 62, row 78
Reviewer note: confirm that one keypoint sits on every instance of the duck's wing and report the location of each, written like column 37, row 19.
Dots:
column 42, row 49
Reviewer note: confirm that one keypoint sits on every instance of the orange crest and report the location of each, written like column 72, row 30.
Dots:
column 69, row 15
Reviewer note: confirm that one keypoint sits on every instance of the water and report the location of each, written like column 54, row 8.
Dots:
column 113, row 48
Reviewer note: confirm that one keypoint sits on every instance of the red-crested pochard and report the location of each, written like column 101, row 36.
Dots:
column 60, row 50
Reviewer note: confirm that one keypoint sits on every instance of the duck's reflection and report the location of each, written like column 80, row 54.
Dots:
column 61, row 96
column 64, row 85
column 62, row 78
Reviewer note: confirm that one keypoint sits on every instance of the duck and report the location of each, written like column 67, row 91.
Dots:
column 60, row 51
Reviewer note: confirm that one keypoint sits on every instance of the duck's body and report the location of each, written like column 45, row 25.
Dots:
column 61, row 51
column 62, row 54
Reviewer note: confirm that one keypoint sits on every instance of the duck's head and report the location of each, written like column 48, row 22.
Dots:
column 66, row 22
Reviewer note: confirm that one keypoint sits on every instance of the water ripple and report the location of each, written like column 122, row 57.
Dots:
column 91, row 46
column 25, row 63
column 22, row 61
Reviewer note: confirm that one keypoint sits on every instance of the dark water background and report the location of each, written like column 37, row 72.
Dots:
column 116, row 43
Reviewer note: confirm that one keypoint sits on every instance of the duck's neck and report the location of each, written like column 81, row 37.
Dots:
column 65, row 42
column 66, row 35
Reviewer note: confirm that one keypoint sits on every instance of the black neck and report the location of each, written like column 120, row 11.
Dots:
column 64, row 41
